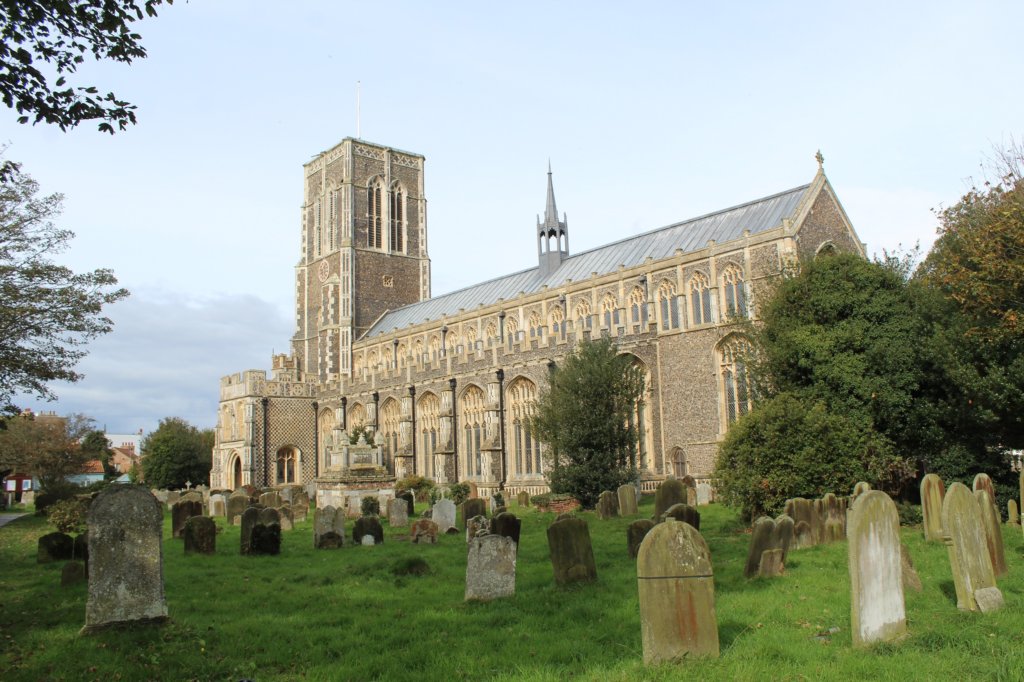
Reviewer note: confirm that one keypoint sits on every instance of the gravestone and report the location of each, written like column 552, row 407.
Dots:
column 782, row 537
column 266, row 534
column 54, row 547
column 181, row 511
column 670, row 492
column 833, row 518
column 523, row 499
column 424, row 532
column 193, row 496
column 328, row 528
column 969, row 559
column 877, row 608
column 704, row 493
column 802, row 537
column 683, row 512
column 473, row 507
column 172, row 497
column 368, row 541
column 237, row 503
column 490, row 568
column 565, row 515
column 607, row 505
column 398, row 513
column 475, row 525
column 74, row 572
column 300, row 500
column 993, row 532
column 443, row 514
column 270, row 499
column 126, row 580
column 932, row 492
column 761, row 540
column 410, row 504
column 507, row 525
column 572, row 556
column 677, row 594
column 495, row 503
column 627, row 499
column 368, row 525
column 200, row 535
column 473, row 494
column 81, row 552
column 217, row 505
column 984, row 482
column 803, row 511
column 1012, row 514
column 635, row 534
column 161, row 495
column 285, row 512
column 859, row 489
column 248, row 522
column 690, row 483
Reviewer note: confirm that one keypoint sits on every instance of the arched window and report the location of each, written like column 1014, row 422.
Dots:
column 638, row 307
column 452, row 342
column 736, row 395
column 388, row 359
column 355, row 417
column 583, row 314
column 403, row 355
column 417, row 350
column 435, row 347
column 491, row 332
column 397, row 218
column 536, row 329
column 734, row 292
column 668, row 305
column 609, row 311
column 472, row 422
column 557, row 321
column 639, row 418
column 388, row 430
column 287, row 465
column 469, row 336
column 325, row 424
column 372, row 361
column 700, row 300
column 511, row 328
column 428, row 411
column 317, row 228
column 520, row 400
column 374, row 215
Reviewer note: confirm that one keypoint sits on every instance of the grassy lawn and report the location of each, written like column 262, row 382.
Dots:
column 345, row 615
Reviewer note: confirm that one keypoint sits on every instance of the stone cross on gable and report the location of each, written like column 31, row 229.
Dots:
column 820, row 159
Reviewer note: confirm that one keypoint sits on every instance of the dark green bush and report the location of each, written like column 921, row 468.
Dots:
column 459, row 492
column 421, row 487
column 411, row 566
column 68, row 515
column 370, row 506
column 910, row 514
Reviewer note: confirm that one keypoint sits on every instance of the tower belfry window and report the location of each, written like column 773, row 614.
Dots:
column 374, row 211
column 397, row 218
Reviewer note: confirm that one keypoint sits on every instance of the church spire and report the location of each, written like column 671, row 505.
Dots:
column 552, row 234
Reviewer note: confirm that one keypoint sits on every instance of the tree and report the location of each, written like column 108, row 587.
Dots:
column 96, row 446
column 176, row 453
column 585, row 418
column 47, row 448
column 47, row 312
column 42, row 35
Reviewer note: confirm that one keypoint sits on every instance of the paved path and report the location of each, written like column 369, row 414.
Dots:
column 6, row 518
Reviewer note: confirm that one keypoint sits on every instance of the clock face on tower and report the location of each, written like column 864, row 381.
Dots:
column 324, row 271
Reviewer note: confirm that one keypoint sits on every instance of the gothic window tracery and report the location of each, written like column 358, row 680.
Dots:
column 536, row 329
column 355, row 417
column 609, row 311
column 700, row 299
column 668, row 305
column 375, row 214
column 287, row 458
column 736, row 395
column 640, row 418
column 557, row 321
column 734, row 292
column 472, row 420
column 388, row 429
column 491, row 332
column 428, row 413
column 526, row 451
column 638, row 306
column 511, row 328
column 583, row 315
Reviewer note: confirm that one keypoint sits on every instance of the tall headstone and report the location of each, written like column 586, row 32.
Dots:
column 761, row 540
column 410, row 503
column 969, row 559
column 802, row 511
column 607, row 505
column 627, row 499
column 802, row 536
column 690, row 483
column 270, row 499
column 126, row 580
column 670, row 492
column 523, row 499
column 683, row 512
column 932, row 492
column 266, row 534
column 507, row 525
column 249, row 518
column 237, row 503
column 368, row 525
column 705, row 494
column 473, row 507
column 635, row 534
column 572, row 555
column 984, row 482
column 877, row 608
column 993, row 532
column 398, row 513
column 172, row 497
column 328, row 528
column 677, row 594
column 1012, row 513
column 200, row 535
column 181, row 511
column 859, row 489
column 217, row 505
column 490, row 568
column 443, row 514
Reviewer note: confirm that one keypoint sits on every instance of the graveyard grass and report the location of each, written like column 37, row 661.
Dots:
column 351, row 614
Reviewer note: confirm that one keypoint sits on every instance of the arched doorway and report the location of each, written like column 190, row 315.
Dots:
column 236, row 472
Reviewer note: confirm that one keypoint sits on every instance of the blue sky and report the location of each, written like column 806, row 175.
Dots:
column 649, row 114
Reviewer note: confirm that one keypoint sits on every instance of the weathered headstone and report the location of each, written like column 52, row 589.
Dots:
column 803, row 511
column 81, row 552
column 266, row 534
column 670, row 492
column 607, row 505
column 877, row 608
column 410, row 504
column 217, row 505
column 475, row 525
column 627, row 499
column 237, row 503
column 704, row 493
column 1012, row 513
column 993, row 532
column 398, row 513
column 200, row 535
column 181, row 511
column 635, row 534
column 73, row 573
column 490, row 568
column 984, row 482
column 496, row 502
column 126, row 580
column 677, row 594
column 424, row 531
column 285, row 512
column 690, row 483
column 683, row 512
column 172, row 497
column 572, row 555
column 300, row 500
column 473, row 507
column 859, row 489
column 833, row 518
column 761, row 540
column 248, row 522
column 507, row 524
column 969, row 559
column 932, row 492
column 523, row 499
column 802, row 536
column 473, row 493
column 328, row 528
column 782, row 537
column 443, row 514
column 368, row 525
column 193, row 496
column 270, row 499
column 54, row 547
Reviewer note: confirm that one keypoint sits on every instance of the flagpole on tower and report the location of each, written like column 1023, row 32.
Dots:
column 358, row 89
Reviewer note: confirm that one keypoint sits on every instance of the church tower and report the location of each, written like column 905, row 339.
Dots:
column 552, row 235
column 364, row 250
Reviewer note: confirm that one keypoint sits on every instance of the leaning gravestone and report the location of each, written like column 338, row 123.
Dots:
column 475, row 525
column 877, row 608
column 683, row 512
column 507, row 524
column 782, row 537
column 572, row 555
column 969, row 559
column 761, row 540
column 182, row 511
column 669, row 493
column 200, row 535
column 476, row 506
column 627, row 499
column 803, row 511
column 55, row 547
column 833, row 517
column 490, row 568
column 443, row 514
column 424, row 532
column 126, row 581
column 1012, row 513
column 802, row 536
column 328, row 528
column 368, row 525
column 248, row 522
column 607, row 505
column 993, row 532
column 238, row 501
column 635, row 534
column 285, row 512
column 398, row 513
column 266, row 534
column 677, row 594
column 932, row 492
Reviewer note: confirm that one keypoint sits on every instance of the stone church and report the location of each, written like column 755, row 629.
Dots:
column 444, row 384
